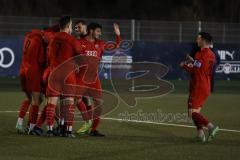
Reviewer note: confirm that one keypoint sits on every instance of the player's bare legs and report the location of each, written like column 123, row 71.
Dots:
column 22, row 112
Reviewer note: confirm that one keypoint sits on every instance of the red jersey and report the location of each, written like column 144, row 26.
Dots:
column 95, row 50
column 33, row 50
column 61, row 48
column 201, row 72
column 48, row 37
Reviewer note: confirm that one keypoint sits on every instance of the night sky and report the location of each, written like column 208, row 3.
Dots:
column 172, row 10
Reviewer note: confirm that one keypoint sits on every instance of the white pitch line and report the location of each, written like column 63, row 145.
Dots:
column 164, row 124
column 148, row 122
column 9, row 111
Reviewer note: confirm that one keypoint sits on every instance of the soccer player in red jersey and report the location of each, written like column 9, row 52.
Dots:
column 94, row 47
column 84, row 104
column 31, row 70
column 49, row 34
column 80, row 29
column 200, row 67
column 61, row 48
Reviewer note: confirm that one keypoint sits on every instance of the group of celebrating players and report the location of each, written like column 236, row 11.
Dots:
column 64, row 68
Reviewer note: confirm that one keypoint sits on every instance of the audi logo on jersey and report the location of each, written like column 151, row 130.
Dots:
column 3, row 52
column 91, row 53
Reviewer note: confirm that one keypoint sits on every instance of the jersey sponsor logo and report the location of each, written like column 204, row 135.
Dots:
column 3, row 52
column 91, row 53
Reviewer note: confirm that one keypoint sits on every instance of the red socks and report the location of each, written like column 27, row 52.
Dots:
column 96, row 111
column 83, row 109
column 23, row 108
column 199, row 120
column 199, row 127
column 33, row 114
column 42, row 117
column 70, row 115
column 50, row 113
column 95, row 124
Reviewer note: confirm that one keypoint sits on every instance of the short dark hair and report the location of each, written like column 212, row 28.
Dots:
column 93, row 26
column 206, row 36
column 64, row 21
column 80, row 21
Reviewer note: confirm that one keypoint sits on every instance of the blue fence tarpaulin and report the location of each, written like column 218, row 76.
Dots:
column 169, row 54
column 15, row 45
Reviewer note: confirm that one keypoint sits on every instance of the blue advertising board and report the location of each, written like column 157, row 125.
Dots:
column 169, row 54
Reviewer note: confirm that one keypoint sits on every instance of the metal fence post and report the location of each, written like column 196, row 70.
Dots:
column 199, row 26
column 50, row 22
column 133, row 29
column 180, row 32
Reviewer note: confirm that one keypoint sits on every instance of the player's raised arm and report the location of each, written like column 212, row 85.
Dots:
column 117, row 33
